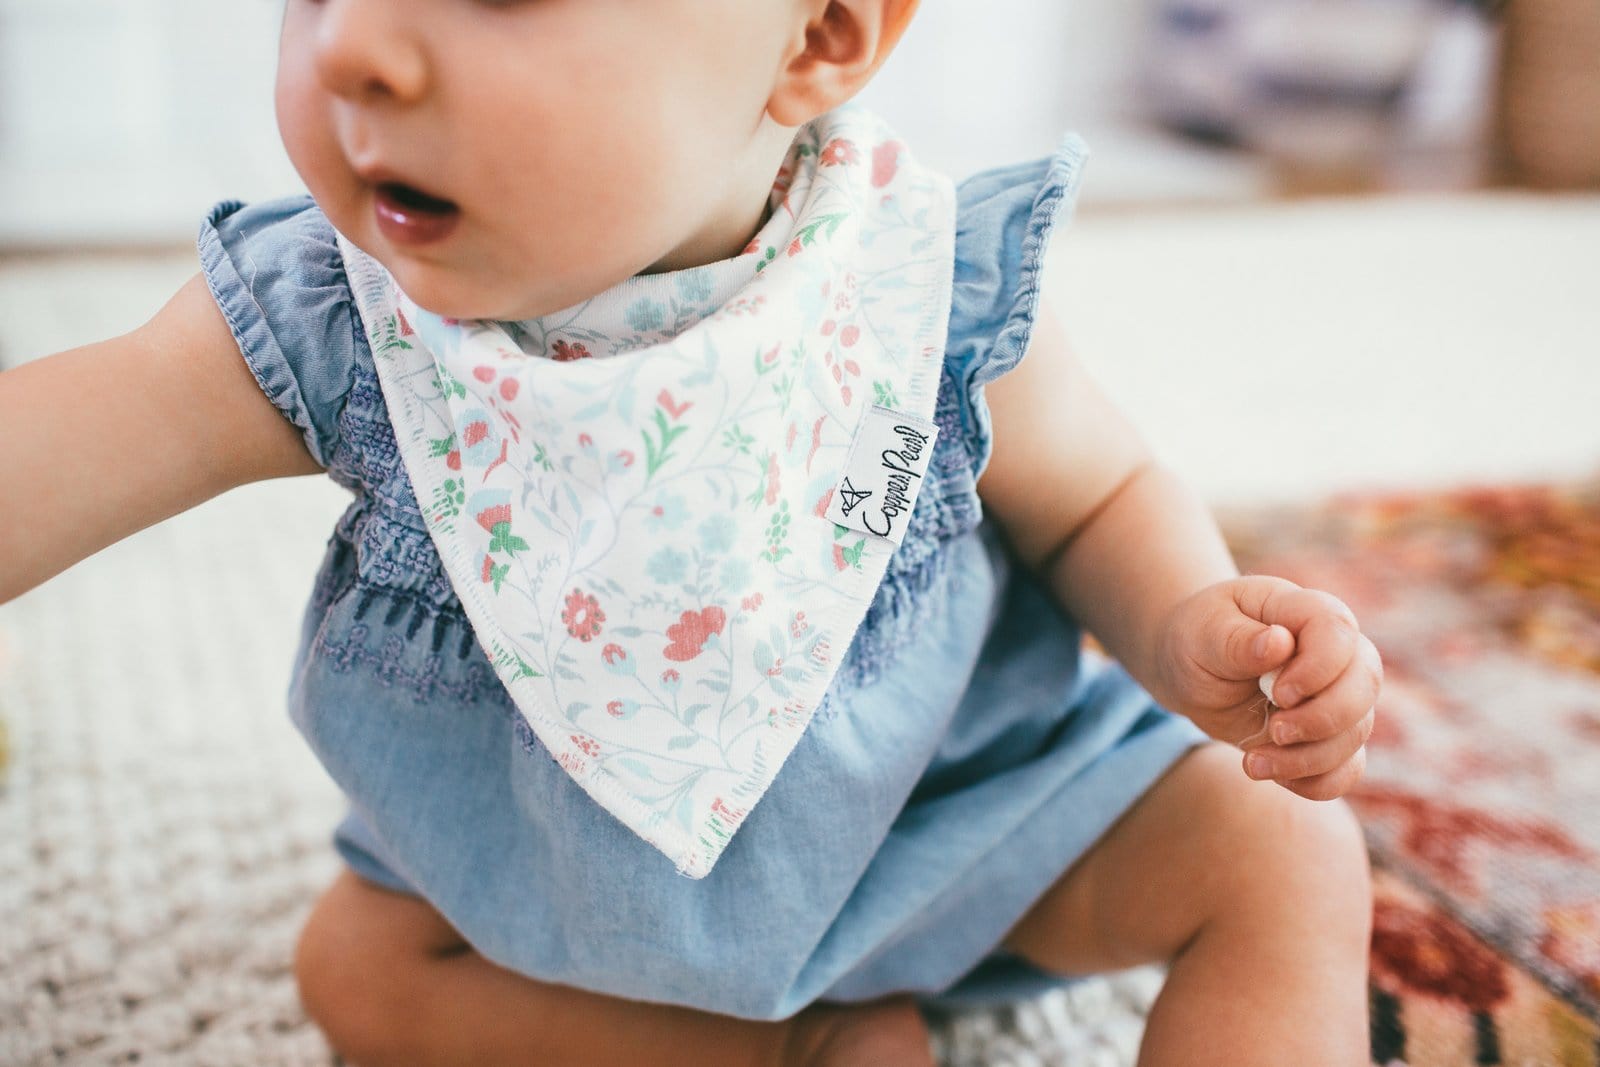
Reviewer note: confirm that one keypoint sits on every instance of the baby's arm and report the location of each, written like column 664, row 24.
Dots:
column 1131, row 552
column 101, row 441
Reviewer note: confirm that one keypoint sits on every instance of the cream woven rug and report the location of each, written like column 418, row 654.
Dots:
column 164, row 830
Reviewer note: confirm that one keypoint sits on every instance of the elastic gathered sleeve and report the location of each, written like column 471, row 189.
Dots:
column 1004, row 220
column 275, row 271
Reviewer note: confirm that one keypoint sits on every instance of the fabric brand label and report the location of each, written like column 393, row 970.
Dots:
column 883, row 473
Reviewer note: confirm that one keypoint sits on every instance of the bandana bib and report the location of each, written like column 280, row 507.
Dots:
column 666, row 509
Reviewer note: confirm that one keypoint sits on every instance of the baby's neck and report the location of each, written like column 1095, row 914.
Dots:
column 743, row 211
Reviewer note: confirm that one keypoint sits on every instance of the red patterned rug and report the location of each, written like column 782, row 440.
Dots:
column 1481, row 799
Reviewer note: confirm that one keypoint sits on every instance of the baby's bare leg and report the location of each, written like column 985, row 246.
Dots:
column 389, row 981
column 1260, row 900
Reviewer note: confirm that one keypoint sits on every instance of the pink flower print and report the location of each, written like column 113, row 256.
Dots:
column 670, row 678
column 616, row 659
column 772, row 478
column 798, row 624
column 477, row 438
column 839, row 150
column 487, row 575
column 690, row 633
column 588, row 744
column 483, row 374
column 508, row 389
column 574, row 764
column 753, row 246
column 673, row 408
column 405, row 327
column 770, row 356
column 563, row 351
column 850, row 335
column 582, row 615
column 733, row 815
column 794, row 247
column 491, row 517
column 788, row 438
column 622, row 709
column 625, row 457
column 742, row 305
column 885, row 160
column 821, row 510
column 845, row 300
column 505, row 451
column 839, row 368
column 776, row 668
column 585, row 441
column 828, row 326
column 453, row 460
column 819, row 651
column 751, row 602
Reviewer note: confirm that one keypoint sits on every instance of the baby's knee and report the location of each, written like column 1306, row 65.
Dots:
column 354, row 988
column 1310, row 860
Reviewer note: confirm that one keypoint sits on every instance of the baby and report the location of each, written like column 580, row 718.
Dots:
column 709, row 521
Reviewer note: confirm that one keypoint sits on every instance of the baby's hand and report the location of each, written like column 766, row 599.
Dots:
column 1215, row 646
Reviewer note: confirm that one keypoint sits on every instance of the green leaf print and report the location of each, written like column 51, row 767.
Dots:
column 852, row 555
column 441, row 446
column 657, row 451
column 447, row 382
column 497, row 573
column 777, row 533
column 883, row 393
column 501, row 539
column 449, row 498
column 735, row 438
column 807, row 234
column 389, row 336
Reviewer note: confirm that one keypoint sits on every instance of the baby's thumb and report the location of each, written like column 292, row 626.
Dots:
column 1255, row 649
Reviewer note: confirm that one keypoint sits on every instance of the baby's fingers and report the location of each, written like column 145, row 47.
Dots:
column 1325, row 632
column 1334, row 784
column 1289, row 763
column 1339, row 706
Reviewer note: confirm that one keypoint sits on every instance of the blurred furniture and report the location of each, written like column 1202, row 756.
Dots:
column 1549, row 102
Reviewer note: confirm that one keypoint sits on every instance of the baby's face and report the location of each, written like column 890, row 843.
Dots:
column 578, row 142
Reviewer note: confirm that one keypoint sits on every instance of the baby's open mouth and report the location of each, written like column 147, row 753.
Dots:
column 415, row 199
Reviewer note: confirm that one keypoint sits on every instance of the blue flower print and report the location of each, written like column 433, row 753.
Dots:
column 645, row 315
column 668, row 512
column 736, row 574
column 694, row 286
column 667, row 566
column 479, row 443
column 717, row 533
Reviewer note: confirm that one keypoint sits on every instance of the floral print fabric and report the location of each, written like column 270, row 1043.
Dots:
column 629, row 495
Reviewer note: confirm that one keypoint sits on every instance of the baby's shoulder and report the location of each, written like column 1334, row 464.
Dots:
column 275, row 270
column 1005, row 217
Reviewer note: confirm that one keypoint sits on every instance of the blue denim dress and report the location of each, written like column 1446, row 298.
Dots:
column 966, row 754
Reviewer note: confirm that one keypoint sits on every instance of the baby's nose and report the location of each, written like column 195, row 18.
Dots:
column 369, row 49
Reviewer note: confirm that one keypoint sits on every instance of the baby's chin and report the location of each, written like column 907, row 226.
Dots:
column 453, row 296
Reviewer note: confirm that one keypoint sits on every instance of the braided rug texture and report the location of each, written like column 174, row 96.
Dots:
column 164, row 830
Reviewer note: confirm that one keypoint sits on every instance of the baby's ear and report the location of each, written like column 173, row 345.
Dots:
column 839, row 45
